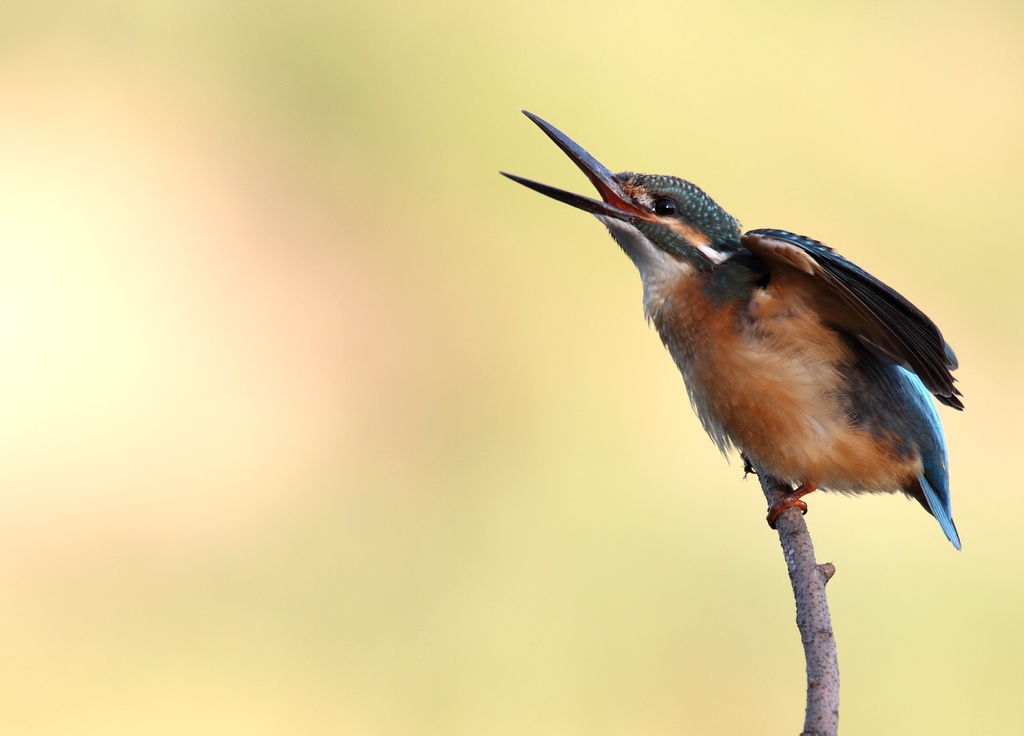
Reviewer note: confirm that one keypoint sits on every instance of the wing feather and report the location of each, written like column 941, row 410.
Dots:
column 881, row 318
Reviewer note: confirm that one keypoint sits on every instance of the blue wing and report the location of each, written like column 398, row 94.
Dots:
column 881, row 318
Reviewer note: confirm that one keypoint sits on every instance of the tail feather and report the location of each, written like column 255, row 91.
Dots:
column 932, row 488
column 941, row 511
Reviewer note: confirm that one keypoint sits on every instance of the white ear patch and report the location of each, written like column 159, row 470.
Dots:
column 715, row 256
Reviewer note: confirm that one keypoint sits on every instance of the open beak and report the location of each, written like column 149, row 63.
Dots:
column 614, row 201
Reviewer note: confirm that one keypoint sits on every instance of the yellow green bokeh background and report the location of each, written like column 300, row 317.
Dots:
column 311, row 423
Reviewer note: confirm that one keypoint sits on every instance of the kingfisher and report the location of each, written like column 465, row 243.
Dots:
column 816, row 371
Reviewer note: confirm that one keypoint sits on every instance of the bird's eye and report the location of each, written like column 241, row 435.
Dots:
column 664, row 207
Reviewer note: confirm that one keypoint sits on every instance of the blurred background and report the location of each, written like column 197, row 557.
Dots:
column 311, row 423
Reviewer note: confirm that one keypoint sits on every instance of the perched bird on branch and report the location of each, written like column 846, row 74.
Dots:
column 815, row 370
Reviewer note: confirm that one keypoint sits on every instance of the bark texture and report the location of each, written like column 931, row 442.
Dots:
column 812, row 615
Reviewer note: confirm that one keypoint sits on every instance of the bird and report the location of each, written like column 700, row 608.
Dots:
column 814, row 370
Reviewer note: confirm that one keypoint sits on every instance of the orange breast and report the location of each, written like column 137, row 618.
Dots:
column 765, row 376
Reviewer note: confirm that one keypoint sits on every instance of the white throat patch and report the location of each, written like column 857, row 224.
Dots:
column 659, row 271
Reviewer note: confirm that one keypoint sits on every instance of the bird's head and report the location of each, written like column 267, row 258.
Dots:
column 663, row 223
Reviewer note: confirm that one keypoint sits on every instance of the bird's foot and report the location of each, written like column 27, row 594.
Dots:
column 788, row 501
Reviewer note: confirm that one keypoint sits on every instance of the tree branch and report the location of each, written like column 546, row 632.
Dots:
column 812, row 617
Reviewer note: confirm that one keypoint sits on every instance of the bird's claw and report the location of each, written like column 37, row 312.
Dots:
column 789, row 501
column 786, row 502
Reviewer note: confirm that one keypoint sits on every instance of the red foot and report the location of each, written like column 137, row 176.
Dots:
column 790, row 500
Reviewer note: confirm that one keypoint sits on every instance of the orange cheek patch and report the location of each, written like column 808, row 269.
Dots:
column 690, row 234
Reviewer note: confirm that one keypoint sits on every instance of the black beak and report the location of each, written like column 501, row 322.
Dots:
column 615, row 201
